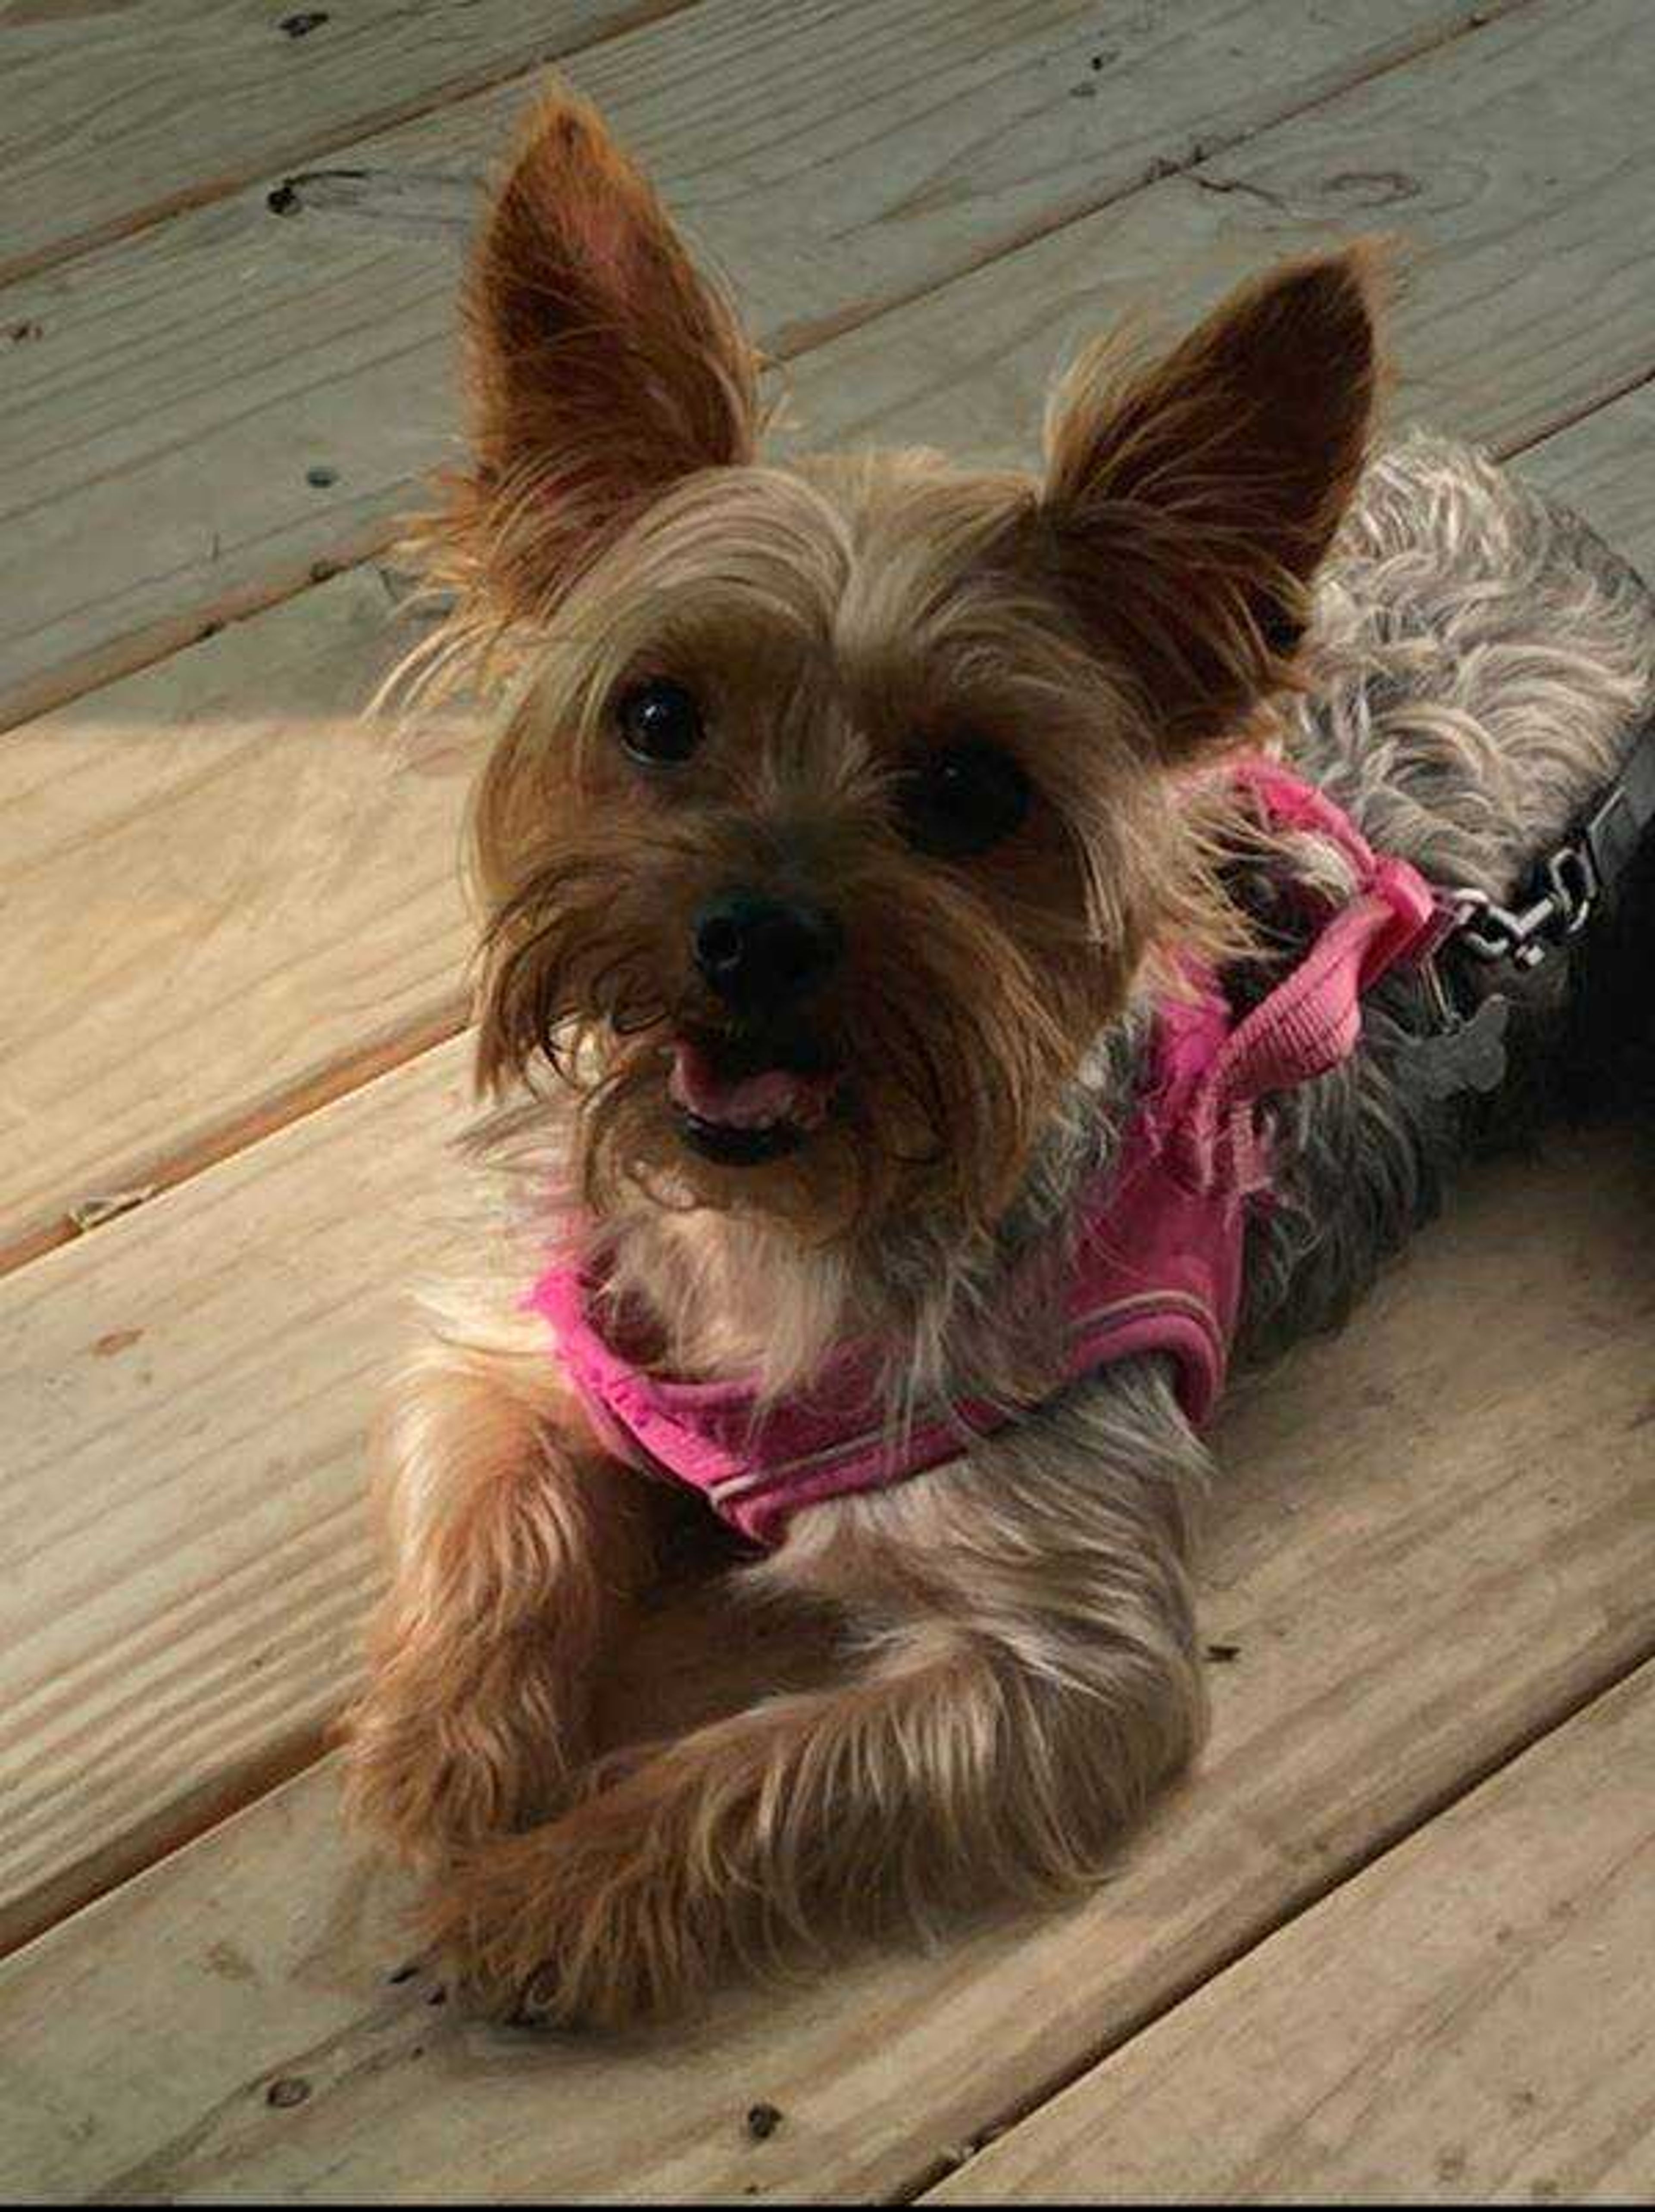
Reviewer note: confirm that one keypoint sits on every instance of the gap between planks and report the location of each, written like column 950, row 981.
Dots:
column 103, row 659
column 308, row 147
column 261, row 1120
column 1385, row 1845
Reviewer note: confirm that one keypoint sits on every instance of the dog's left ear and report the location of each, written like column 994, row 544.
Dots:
column 1189, row 506
column 605, row 367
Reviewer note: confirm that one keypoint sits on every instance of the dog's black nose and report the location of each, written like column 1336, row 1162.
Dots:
column 761, row 954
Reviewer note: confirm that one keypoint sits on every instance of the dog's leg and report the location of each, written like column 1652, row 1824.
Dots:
column 513, row 1541
column 1026, row 1675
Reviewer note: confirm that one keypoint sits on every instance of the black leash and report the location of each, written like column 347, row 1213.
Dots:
column 1560, row 893
column 1566, row 885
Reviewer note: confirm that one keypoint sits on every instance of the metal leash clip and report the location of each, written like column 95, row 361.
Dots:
column 1458, row 1051
column 1525, row 935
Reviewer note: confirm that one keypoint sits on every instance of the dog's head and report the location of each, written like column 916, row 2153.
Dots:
column 829, row 823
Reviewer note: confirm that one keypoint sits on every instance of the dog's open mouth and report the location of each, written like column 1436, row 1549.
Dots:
column 743, row 1100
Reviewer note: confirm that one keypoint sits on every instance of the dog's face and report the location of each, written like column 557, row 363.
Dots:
column 830, row 824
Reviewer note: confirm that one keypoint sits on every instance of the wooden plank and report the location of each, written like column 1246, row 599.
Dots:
column 1416, row 1585
column 117, row 117
column 184, row 853
column 1605, row 467
column 178, row 393
column 183, row 1402
column 1501, row 165
column 1467, row 2022
column 340, row 927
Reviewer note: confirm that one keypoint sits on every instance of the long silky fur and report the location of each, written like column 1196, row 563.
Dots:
column 1459, row 662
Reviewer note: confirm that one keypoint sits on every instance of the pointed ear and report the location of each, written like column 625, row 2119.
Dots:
column 604, row 365
column 1189, row 505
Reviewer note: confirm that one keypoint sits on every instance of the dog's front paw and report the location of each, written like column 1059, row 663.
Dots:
column 434, row 1775
column 588, row 1922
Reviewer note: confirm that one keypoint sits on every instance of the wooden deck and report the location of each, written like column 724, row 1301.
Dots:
column 1394, row 1938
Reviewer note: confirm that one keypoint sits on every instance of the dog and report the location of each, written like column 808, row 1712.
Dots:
column 965, row 956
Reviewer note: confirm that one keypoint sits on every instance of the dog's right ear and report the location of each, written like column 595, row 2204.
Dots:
column 1190, row 501
column 604, row 365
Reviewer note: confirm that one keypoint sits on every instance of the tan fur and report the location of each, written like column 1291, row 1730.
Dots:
column 1021, row 1678
column 513, row 1551
column 1018, row 1670
column 1190, row 501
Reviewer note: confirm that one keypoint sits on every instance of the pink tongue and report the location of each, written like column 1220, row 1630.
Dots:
column 744, row 1101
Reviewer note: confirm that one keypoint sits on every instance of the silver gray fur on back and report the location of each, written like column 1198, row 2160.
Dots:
column 1480, row 663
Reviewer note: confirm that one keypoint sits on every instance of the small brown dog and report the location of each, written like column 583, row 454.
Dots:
column 854, row 831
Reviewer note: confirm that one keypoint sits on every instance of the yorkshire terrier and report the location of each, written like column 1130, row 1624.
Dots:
column 964, row 955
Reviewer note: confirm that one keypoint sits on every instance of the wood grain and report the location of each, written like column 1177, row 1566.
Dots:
column 181, row 867
column 1604, row 467
column 1466, row 2022
column 182, row 1398
column 1435, row 1539
column 119, row 115
column 1503, row 165
column 177, row 393
column 299, row 911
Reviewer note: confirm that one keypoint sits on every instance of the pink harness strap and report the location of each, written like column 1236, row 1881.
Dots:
column 1157, row 1254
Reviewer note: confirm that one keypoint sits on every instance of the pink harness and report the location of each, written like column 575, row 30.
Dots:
column 1157, row 1263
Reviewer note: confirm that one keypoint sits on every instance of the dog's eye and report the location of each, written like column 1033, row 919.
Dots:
column 659, row 722
column 962, row 800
